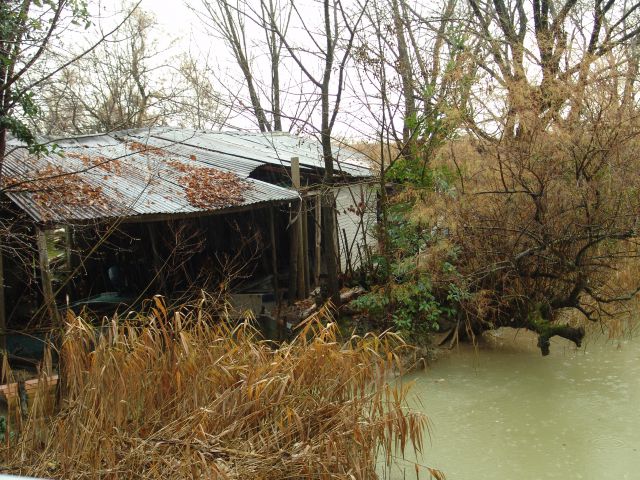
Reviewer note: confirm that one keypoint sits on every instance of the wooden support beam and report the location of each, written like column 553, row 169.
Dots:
column 305, row 248
column 158, row 262
column 295, row 172
column 68, row 247
column 299, row 236
column 336, row 235
column 71, row 262
column 347, row 253
column 318, row 250
column 45, row 278
column 274, row 255
column 300, row 282
column 294, row 243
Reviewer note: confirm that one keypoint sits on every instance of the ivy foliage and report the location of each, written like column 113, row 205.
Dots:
column 415, row 299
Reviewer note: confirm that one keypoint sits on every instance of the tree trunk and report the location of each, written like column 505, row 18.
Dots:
column 275, row 72
column 329, row 221
column 406, row 76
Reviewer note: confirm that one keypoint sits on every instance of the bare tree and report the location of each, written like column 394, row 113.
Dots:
column 129, row 82
column 197, row 103
column 227, row 20
column 429, row 70
column 122, row 84
column 560, row 40
column 332, row 52
column 31, row 34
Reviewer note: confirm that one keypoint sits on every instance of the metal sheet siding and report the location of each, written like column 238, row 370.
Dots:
column 356, row 212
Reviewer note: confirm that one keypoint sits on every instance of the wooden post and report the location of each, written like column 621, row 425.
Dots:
column 305, row 248
column 300, row 279
column 347, row 253
column 157, row 259
column 318, row 252
column 71, row 262
column 274, row 255
column 299, row 223
column 68, row 240
column 336, row 236
column 294, row 243
column 295, row 172
column 45, row 277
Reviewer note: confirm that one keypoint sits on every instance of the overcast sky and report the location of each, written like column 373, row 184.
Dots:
column 180, row 31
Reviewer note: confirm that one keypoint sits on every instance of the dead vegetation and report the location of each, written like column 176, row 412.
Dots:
column 52, row 186
column 109, row 165
column 146, row 149
column 179, row 396
column 207, row 187
column 544, row 223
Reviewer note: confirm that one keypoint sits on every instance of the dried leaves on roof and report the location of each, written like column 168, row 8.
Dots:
column 53, row 186
column 207, row 187
column 146, row 149
column 110, row 165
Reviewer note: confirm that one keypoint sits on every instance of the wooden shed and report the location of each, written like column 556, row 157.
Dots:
column 112, row 218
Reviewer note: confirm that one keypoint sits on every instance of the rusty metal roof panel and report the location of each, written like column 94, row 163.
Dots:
column 151, row 171
column 112, row 180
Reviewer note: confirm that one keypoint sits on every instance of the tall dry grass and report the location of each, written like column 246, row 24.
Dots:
column 176, row 395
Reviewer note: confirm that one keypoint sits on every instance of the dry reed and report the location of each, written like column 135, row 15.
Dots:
column 181, row 396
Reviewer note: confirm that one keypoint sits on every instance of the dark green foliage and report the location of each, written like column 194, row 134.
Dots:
column 405, row 295
column 418, row 174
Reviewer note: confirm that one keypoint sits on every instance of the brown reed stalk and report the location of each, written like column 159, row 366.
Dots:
column 181, row 395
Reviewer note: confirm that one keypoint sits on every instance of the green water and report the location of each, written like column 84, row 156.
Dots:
column 504, row 412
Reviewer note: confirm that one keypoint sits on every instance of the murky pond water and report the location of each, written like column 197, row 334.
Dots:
column 504, row 412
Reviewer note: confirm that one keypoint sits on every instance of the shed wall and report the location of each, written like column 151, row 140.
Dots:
column 356, row 212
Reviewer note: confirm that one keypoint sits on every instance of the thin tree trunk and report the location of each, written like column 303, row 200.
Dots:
column 329, row 219
column 243, row 62
column 406, row 76
column 328, row 199
column 275, row 72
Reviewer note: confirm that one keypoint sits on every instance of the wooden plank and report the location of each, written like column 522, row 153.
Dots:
column 347, row 253
column 299, row 235
column 71, row 262
column 45, row 277
column 305, row 248
column 11, row 389
column 158, row 261
column 68, row 247
column 294, row 243
column 274, row 255
column 16, row 407
column 295, row 172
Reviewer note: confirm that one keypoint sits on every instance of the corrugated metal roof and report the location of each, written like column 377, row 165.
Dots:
column 244, row 151
column 140, row 172
column 137, row 183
